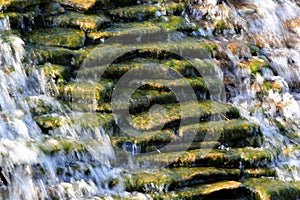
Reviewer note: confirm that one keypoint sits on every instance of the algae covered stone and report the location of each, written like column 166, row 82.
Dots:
column 86, row 22
column 61, row 37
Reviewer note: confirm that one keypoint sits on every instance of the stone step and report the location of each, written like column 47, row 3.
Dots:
column 21, row 4
column 85, row 22
column 233, row 133
column 60, row 37
column 40, row 54
column 228, row 189
column 145, row 31
column 270, row 188
column 90, row 5
column 144, row 12
column 51, row 121
column 141, row 99
column 167, row 180
column 246, row 157
column 186, row 68
column 187, row 112
column 108, row 53
column 87, row 91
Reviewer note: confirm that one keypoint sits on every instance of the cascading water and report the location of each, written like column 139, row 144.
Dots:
column 267, row 24
column 255, row 43
column 31, row 169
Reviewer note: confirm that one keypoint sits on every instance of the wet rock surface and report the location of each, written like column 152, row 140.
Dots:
column 174, row 134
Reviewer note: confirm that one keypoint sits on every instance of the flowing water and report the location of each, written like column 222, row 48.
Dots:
column 35, row 165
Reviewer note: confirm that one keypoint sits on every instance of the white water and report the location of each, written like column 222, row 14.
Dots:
column 30, row 173
column 265, row 23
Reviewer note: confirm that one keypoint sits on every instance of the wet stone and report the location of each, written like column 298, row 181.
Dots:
column 191, row 111
column 61, row 37
column 21, row 4
column 86, row 22
column 142, row 12
column 270, row 188
column 41, row 54
column 247, row 156
column 78, row 4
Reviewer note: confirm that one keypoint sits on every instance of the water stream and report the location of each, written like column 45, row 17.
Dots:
column 73, row 160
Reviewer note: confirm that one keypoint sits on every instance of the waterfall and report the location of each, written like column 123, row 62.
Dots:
column 31, row 168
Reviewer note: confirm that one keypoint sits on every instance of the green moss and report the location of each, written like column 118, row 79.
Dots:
column 176, row 23
column 41, row 54
column 59, row 73
column 87, row 91
column 52, row 146
column 124, row 31
column 271, row 189
column 48, row 122
column 269, row 85
column 230, row 132
column 201, row 191
column 78, row 4
column 255, row 64
column 173, row 113
column 15, row 17
column 62, row 37
column 21, row 4
column 86, row 22
column 143, row 12
column 250, row 157
column 92, row 120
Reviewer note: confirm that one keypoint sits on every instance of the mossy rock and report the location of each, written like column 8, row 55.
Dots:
column 198, row 84
column 41, row 54
column 51, row 146
column 166, row 180
column 205, row 110
column 122, row 32
column 93, row 120
column 176, row 23
column 248, row 157
column 83, row 5
column 88, row 5
column 186, row 68
column 39, row 105
column 107, row 53
column 271, row 189
column 21, row 4
column 60, row 73
column 48, row 121
column 143, row 12
column 15, row 18
column 233, row 132
column 86, row 22
column 140, row 100
column 87, row 92
column 204, row 191
column 254, row 64
column 271, row 85
column 61, row 37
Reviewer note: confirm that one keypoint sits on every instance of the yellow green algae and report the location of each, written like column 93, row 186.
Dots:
column 21, row 3
column 86, row 22
column 228, row 131
column 142, row 12
column 61, row 37
column 248, row 156
column 173, row 112
column 85, row 91
column 41, row 54
column 254, row 64
column 271, row 189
